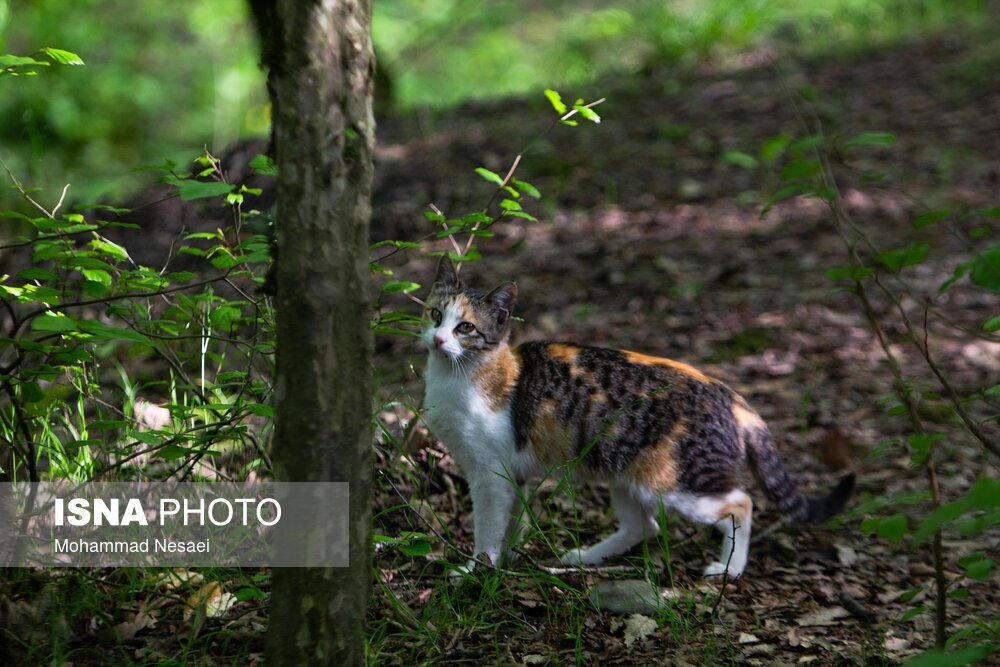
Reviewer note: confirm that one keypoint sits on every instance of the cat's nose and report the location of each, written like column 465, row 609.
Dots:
column 438, row 341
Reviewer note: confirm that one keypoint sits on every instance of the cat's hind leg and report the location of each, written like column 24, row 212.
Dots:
column 635, row 525
column 732, row 514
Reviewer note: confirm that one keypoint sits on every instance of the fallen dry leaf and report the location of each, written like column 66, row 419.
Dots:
column 211, row 597
column 825, row 616
column 638, row 627
column 137, row 622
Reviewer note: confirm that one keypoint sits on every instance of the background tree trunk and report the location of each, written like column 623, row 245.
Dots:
column 320, row 72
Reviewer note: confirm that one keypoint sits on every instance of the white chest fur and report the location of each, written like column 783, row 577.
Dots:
column 464, row 420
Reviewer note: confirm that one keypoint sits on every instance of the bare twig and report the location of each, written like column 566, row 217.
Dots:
column 725, row 573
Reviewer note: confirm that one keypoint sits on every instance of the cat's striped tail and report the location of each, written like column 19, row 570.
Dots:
column 781, row 488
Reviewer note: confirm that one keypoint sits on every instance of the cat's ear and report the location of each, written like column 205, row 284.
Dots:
column 503, row 299
column 446, row 274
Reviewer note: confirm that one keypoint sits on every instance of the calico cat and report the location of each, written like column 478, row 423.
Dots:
column 660, row 432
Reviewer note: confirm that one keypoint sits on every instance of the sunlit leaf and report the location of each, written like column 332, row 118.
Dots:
column 555, row 99
column 62, row 57
column 490, row 176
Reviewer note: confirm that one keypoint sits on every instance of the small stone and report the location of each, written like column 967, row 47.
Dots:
column 627, row 596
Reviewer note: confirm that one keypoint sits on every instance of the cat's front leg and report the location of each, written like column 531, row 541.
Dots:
column 493, row 496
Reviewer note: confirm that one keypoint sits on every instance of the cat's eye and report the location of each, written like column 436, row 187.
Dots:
column 465, row 328
column 436, row 316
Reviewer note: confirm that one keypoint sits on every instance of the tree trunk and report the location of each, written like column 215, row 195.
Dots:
column 320, row 72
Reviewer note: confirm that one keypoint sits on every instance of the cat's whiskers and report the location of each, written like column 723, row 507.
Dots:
column 462, row 365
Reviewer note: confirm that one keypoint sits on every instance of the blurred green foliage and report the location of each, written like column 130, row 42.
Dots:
column 164, row 79
column 444, row 51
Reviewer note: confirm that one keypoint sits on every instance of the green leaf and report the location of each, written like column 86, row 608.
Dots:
column 522, row 214
column 31, row 392
column 922, row 443
column 940, row 517
column 477, row 218
column 62, row 57
column 956, row 275
column 913, row 613
column 395, row 286
column 97, row 276
column 773, row 147
column 171, row 452
column 740, row 159
column 985, row 493
column 854, row 273
column 800, row 168
column 872, row 139
column 109, row 248
column 992, row 324
column 8, row 60
column 986, row 269
column 54, row 323
column 587, row 113
column 806, row 144
column 36, row 273
column 979, row 570
column 959, row 658
column 556, row 101
column 510, row 205
column 488, row 175
column 931, row 217
column 893, row 528
column 784, row 193
column 250, row 593
column 113, row 333
column 527, row 188
column 222, row 318
column 396, row 244
column 420, row 547
column 896, row 260
column 191, row 189
column 260, row 409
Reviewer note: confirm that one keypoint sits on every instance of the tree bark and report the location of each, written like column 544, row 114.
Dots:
column 320, row 66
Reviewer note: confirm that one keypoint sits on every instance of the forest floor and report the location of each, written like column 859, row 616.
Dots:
column 649, row 240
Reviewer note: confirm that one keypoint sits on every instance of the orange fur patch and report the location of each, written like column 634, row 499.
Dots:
column 746, row 418
column 563, row 352
column 738, row 510
column 656, row 467
column 551, row 439
column 691, row 371
column 496, row 377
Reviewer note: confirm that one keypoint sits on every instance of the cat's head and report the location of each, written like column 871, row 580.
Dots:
column 462, row 322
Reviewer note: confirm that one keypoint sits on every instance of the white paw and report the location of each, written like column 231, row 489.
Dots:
column 463, row 570
column 581, row 557
column 717, row 569
column 714, row 569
